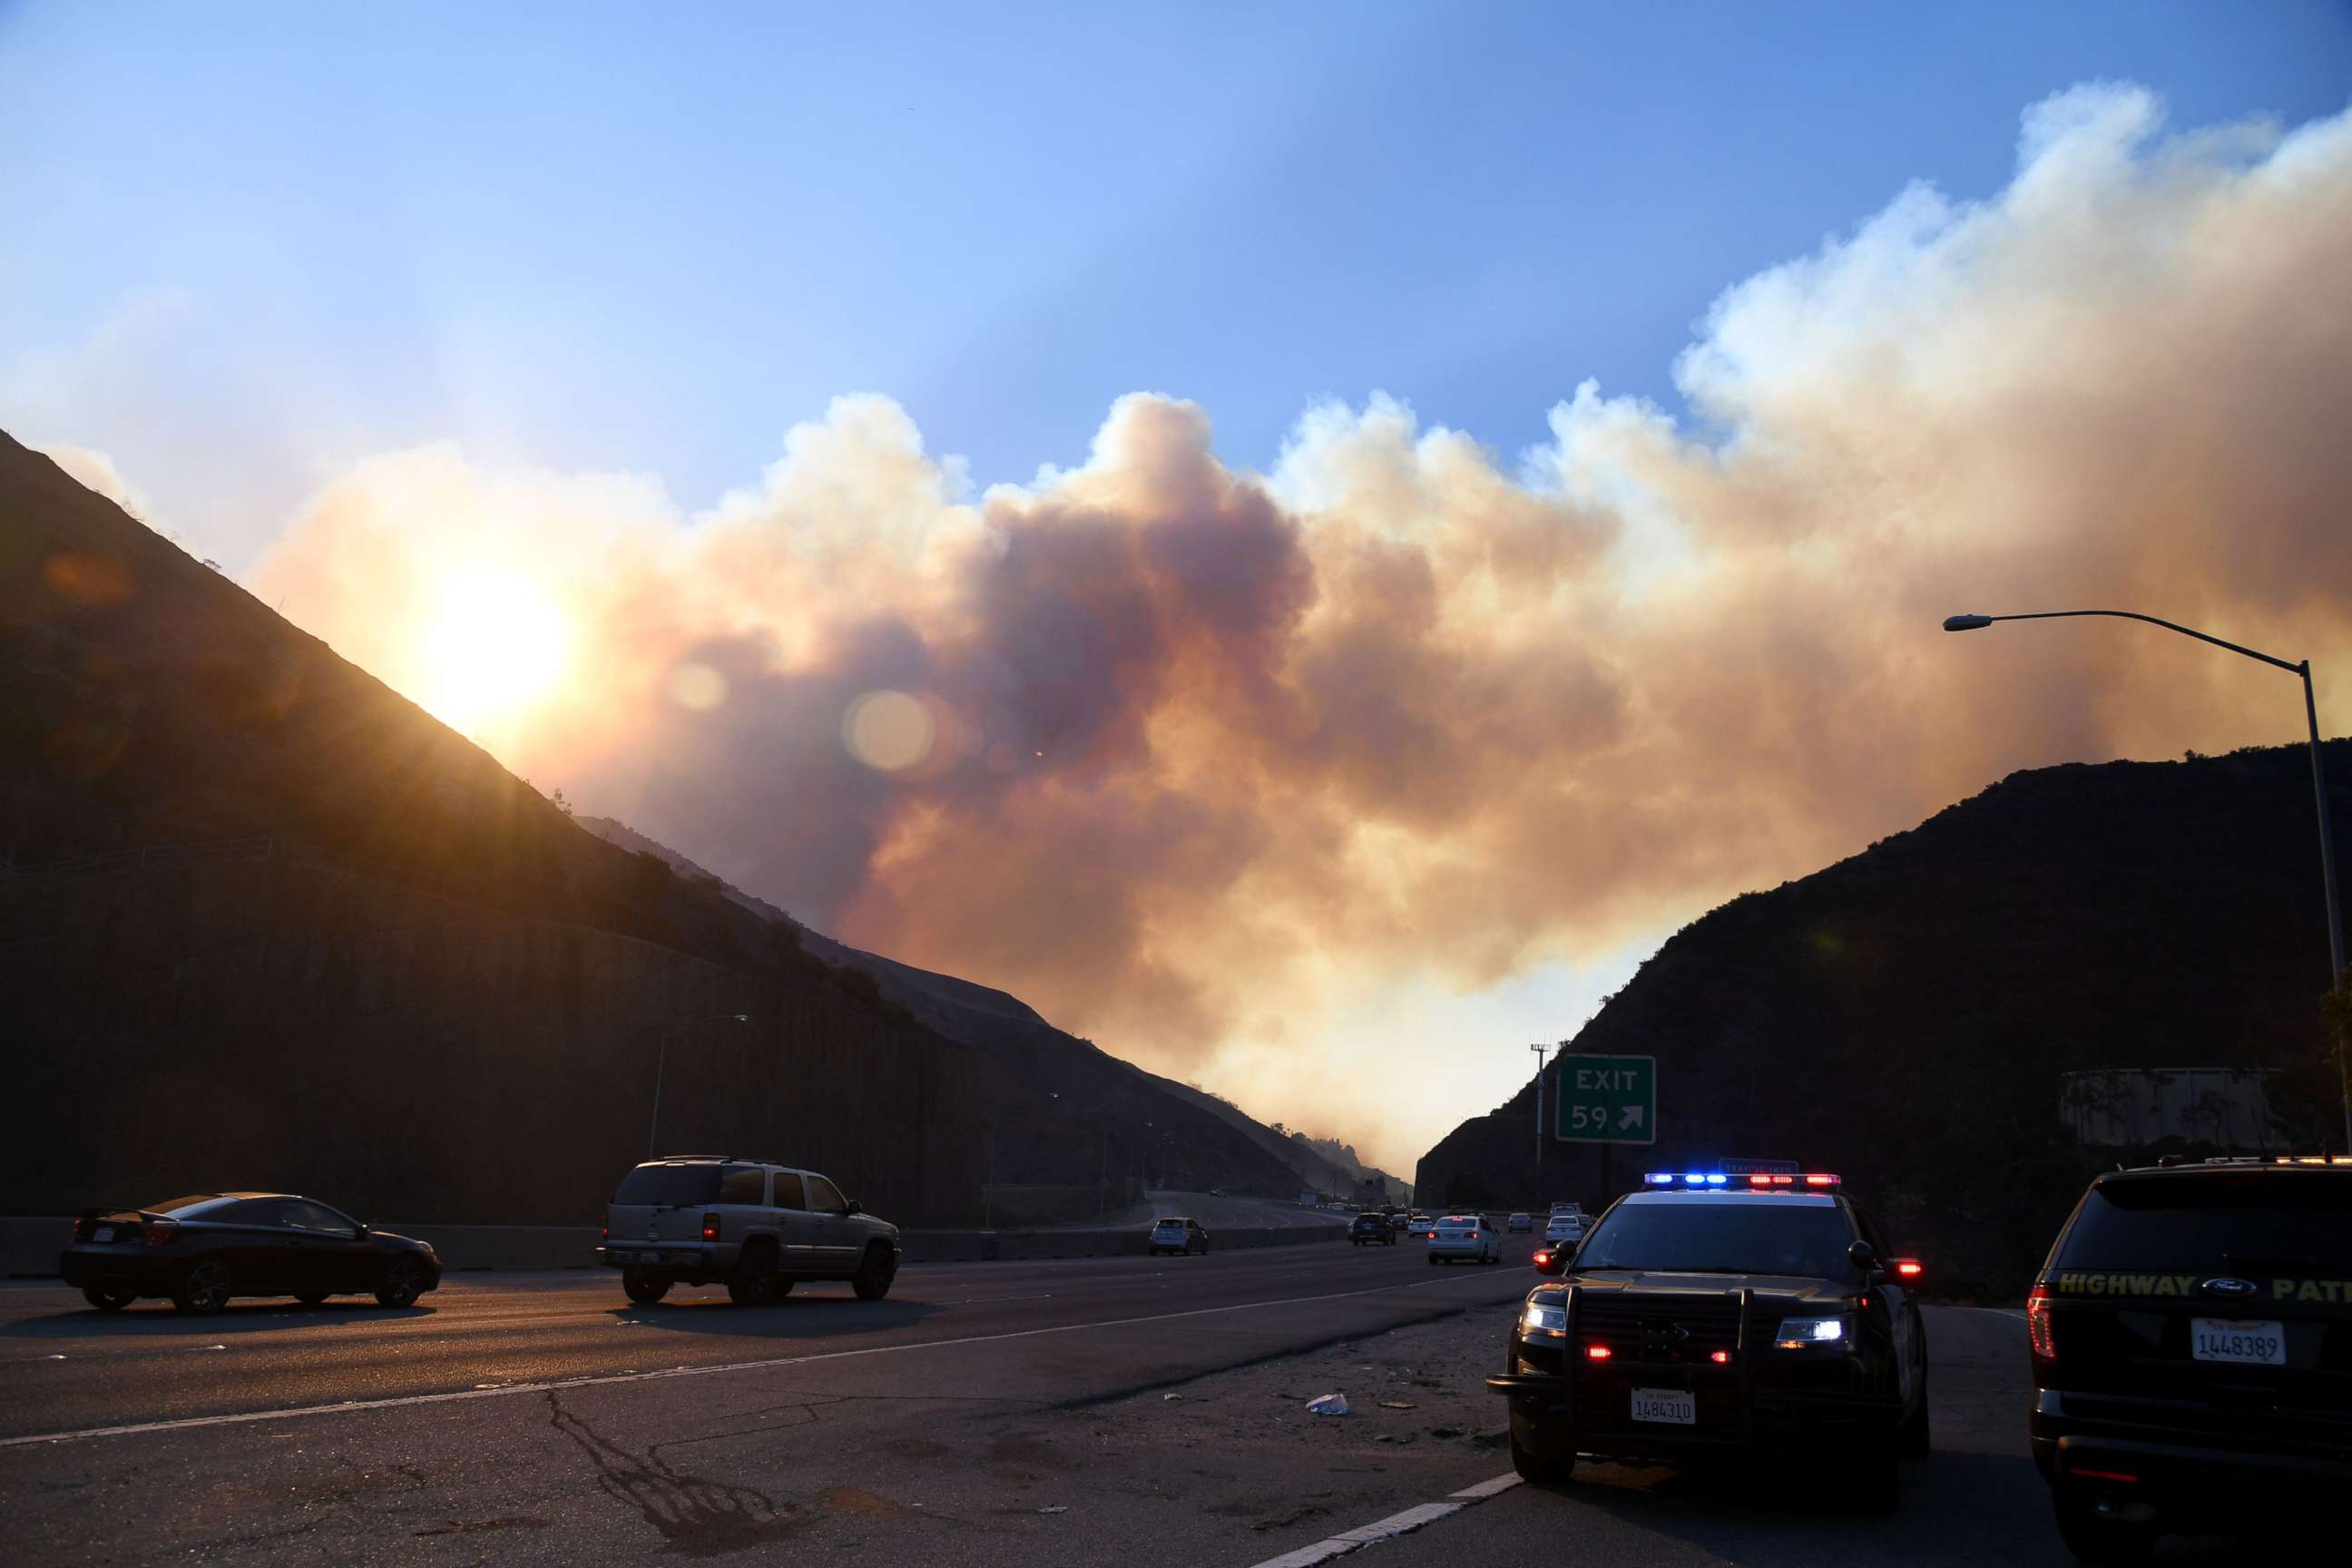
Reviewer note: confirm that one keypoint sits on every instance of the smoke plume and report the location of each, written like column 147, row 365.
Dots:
column 1195, row 759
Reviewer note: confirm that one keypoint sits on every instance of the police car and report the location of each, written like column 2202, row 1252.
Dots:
column 2191, row 1340
column 1724, row 1315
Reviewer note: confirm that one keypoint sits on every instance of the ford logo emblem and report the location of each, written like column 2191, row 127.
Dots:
column 2228, row 1287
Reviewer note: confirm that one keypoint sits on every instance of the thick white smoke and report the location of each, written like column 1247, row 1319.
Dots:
column 1194, row 759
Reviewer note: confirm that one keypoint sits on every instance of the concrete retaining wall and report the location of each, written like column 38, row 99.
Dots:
column 29, row 1248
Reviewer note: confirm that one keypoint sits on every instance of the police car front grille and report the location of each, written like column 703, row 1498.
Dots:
column 1660, row 1328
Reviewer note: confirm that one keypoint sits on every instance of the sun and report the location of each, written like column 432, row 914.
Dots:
column 495, row 645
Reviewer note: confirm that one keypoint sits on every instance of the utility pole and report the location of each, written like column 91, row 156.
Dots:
column 1540, row 1048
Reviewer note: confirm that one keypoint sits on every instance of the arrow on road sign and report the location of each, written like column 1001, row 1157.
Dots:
column 1630, row 1118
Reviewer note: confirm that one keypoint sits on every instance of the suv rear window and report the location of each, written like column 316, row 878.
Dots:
column 2222, row 1220
column 673, row 1186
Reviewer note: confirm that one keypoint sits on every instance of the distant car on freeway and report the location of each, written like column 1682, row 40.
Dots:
column 1705, row 1321
column 1372, row 1228
column 1173, row 1233
column 1420, row 1224
column 1522, row 1220
column 1465, row 1238
column 1564, row 1228
column 2190, row 1336
column 1400, row 1220
column 756, row 1227
column 204, row 1250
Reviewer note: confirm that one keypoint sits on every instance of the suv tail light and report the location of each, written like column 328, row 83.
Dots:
column 710, row 1227
column 604, row 1231
column 2037, row 1325
column 159, row 1232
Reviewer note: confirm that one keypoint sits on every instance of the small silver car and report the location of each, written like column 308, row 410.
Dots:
column 756, row 1227
column 1465, row 1238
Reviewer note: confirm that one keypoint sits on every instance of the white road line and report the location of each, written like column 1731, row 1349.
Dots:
column 247, row 1417
column 1388, row 1529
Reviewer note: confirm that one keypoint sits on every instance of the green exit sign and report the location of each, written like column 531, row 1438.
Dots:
column 1606, row 1100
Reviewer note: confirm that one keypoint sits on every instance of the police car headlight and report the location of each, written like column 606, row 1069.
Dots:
column 1543, row 1318
column 1807, row 1333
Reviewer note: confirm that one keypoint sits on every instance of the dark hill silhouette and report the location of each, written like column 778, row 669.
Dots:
column 1039, row 1071
column 1903, row 1017
column 415, row 983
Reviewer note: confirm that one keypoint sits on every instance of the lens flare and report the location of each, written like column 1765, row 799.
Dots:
column 889, row 730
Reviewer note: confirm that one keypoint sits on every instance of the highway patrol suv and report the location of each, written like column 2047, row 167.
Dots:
column 1714, row 1315
column 2191, row 1338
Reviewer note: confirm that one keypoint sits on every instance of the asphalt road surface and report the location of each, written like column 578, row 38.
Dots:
column 1129, row 1410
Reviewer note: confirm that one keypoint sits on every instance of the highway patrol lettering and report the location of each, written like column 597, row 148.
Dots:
column 2079, row 1282
column 2334, row 1292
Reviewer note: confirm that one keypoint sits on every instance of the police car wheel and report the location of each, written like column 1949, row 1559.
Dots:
column 2096, row 1538
column 1915, row 1436
column 1874, row 1480
column 1541, row 1470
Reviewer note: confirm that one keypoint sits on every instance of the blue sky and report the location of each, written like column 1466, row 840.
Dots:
column 245, row 244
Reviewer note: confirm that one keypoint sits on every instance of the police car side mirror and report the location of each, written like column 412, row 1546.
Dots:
column 1863, row 1256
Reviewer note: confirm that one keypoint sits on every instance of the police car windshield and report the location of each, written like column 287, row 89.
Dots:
column 1708, row 1235
column 2243, row 1220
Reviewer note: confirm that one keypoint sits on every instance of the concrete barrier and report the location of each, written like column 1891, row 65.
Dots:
column 29, row 1248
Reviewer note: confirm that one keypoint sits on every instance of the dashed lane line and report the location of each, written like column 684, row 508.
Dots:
column 1394, row 1525
column 451, row 1396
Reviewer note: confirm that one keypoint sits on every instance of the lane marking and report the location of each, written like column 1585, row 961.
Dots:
column 450, row 1396
column 1401, row 1523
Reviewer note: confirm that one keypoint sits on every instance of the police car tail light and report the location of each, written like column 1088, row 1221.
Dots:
column 1910, row 1270
column 1596, row 1353
column 710, row 1227
column 1720, row 1357
column 1820, row 1179
column 2037, row 1325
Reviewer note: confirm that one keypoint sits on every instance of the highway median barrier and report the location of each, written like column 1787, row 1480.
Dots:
column 29, row 1247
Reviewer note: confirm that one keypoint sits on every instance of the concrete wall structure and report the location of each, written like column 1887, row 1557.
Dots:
column 272, row 1023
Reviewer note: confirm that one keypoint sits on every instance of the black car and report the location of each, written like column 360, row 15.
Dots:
column 1722, row 1324
column 2191, row 1340
column 200, row 1251
column 1372, row 1227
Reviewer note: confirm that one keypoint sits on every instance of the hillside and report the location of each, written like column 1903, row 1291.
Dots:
column 229, row 858
column 1903, row 1015
column 1040, row 1063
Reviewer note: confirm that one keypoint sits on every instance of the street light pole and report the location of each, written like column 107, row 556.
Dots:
column 661, row 1063
column 1540, row 1048
column 2301, row 668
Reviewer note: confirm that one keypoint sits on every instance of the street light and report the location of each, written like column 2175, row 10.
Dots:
column 661, row 1063
column 1540, row 1048
column 2319, row 789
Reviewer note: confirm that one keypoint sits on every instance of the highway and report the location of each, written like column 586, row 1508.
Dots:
column 1125, row 1410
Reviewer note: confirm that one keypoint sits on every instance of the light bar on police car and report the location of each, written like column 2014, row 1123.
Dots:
column 1757, row 1182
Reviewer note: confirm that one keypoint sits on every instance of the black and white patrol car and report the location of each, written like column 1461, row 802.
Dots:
column 2191, row 1340
column 1714, row 1316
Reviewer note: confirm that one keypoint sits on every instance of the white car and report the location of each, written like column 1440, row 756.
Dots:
column 1182, row 1236
column 1522, row 1221
column 1460, row 1237
column 1564, row 1227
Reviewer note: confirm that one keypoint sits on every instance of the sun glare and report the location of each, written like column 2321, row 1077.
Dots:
column 495, row 645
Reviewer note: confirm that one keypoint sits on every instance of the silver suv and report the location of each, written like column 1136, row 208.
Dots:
column 758, row 1228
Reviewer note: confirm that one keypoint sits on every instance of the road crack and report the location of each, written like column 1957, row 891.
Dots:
column 696, row 1517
